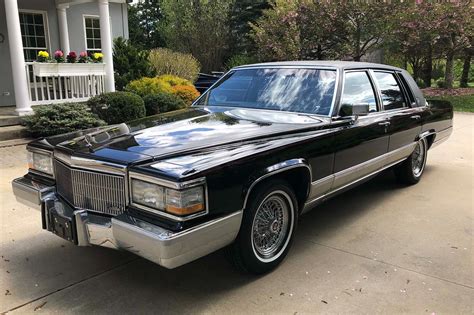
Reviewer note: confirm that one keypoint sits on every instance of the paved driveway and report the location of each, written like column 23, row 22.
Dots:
column 378, row 248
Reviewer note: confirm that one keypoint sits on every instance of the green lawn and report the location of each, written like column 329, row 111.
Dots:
column 461, row 103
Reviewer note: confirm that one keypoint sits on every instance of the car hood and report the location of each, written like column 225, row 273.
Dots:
column 173, row 133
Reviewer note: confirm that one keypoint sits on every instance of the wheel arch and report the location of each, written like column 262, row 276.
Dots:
column 429, row 135
column 296, row 172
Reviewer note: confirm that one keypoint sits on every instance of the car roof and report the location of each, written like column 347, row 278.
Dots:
column 337, row 64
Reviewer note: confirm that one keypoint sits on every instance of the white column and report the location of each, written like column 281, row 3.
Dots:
column 106, row 42
column 63, row 29
column 17, row 58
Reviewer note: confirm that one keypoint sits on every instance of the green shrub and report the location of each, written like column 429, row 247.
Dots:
column 187, row 93
column 166, row 61
column 49, row 120
column 146, row 86
column 174, row 80
column 162, row 102
column 130, row 63
column 117, row 107
column 440, row 83
column 421, row 84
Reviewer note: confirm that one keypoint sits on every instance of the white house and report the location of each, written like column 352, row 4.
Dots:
column 29, row 26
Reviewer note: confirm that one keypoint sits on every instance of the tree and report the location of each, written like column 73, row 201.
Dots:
column 320, row 26
column 415, row 36
column 310, row 29
column 365, row 25
column 144, row 21
column 243, row 13
column 130, row 63
column 199, row 27
column 277, row 32
column 455, row 34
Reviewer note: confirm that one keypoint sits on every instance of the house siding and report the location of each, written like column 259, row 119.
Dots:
column 75, row 13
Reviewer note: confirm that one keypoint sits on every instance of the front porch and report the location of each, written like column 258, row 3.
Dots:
column 46, row 83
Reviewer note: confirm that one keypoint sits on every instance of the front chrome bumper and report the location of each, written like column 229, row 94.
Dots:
column 166, row 248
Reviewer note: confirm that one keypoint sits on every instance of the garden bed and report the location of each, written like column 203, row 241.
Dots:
column 429, row 92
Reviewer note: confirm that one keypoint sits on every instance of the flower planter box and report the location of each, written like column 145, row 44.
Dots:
column 67, row 69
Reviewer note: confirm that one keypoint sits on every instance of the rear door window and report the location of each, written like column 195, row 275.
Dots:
column 358, row 91
column 390, row 91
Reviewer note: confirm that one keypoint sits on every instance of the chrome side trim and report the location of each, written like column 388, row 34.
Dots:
column 90, row 164
column 309, row 204
column 321, row 186
column 441, row 136
column 357, row 173
column 169, row 184
column 276, row 169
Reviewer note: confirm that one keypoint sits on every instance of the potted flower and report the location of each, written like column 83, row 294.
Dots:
column 71, row 57
column 97, row 57
column 83, row 57
column 43, row 56
column 59, row 56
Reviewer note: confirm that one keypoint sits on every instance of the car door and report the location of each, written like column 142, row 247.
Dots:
column 404, row 116
column 361, row 145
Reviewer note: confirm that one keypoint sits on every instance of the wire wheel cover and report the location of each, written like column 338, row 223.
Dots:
column 418, row 158
column 271, row 226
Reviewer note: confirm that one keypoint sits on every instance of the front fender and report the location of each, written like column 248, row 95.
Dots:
column 277, row 169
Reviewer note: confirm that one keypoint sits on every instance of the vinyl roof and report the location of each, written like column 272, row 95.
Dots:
column 324, row 63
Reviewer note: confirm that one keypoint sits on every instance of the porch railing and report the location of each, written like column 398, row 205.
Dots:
column 62, row 88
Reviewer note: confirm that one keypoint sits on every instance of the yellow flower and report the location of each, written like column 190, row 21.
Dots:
column 43, row 54
column 98, row 56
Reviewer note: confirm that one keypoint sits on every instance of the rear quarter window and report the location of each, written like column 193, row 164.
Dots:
column 390, row 90
column 408, row 91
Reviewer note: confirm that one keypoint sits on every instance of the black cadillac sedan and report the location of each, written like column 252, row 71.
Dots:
column 266, row 143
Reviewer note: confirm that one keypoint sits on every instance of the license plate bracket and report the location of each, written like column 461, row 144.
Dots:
column 62, row 227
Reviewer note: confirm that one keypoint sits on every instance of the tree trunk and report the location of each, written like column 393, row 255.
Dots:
column 449, row 74
column 465, row 69
column 428, row 67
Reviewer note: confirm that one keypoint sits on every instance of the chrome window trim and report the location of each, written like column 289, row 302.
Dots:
column 173, row 185
column 330, row 68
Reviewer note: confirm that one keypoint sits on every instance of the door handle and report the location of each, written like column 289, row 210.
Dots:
column 384, row 123
column 416, row 117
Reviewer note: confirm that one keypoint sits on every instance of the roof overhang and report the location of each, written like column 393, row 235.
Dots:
column 65, row 3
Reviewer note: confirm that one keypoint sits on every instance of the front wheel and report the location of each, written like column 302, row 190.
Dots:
column 267, row 229
column 410, row 171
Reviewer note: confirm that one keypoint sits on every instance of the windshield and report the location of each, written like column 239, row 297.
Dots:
column 308, row 91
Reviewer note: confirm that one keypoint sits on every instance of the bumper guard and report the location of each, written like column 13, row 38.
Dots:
column 166, row 248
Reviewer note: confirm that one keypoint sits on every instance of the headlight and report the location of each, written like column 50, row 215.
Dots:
column 176, row 202
column 41, row 162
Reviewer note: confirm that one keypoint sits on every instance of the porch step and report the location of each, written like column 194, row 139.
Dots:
column 8, row 120
column 12, row 132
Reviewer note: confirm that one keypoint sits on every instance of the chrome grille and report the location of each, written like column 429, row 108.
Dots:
column 99, row 192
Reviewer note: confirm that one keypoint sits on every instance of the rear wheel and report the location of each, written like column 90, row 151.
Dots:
column 267, row 229
column 410, row 171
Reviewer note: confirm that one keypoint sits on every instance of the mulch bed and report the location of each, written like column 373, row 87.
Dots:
column 447, row 92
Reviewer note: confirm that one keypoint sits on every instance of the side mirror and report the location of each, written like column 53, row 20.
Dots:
column 354, row 109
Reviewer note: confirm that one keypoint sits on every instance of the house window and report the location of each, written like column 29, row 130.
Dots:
column 33, row 34
column 92, row 25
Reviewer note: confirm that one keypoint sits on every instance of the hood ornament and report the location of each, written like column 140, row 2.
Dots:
column 88, row 139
